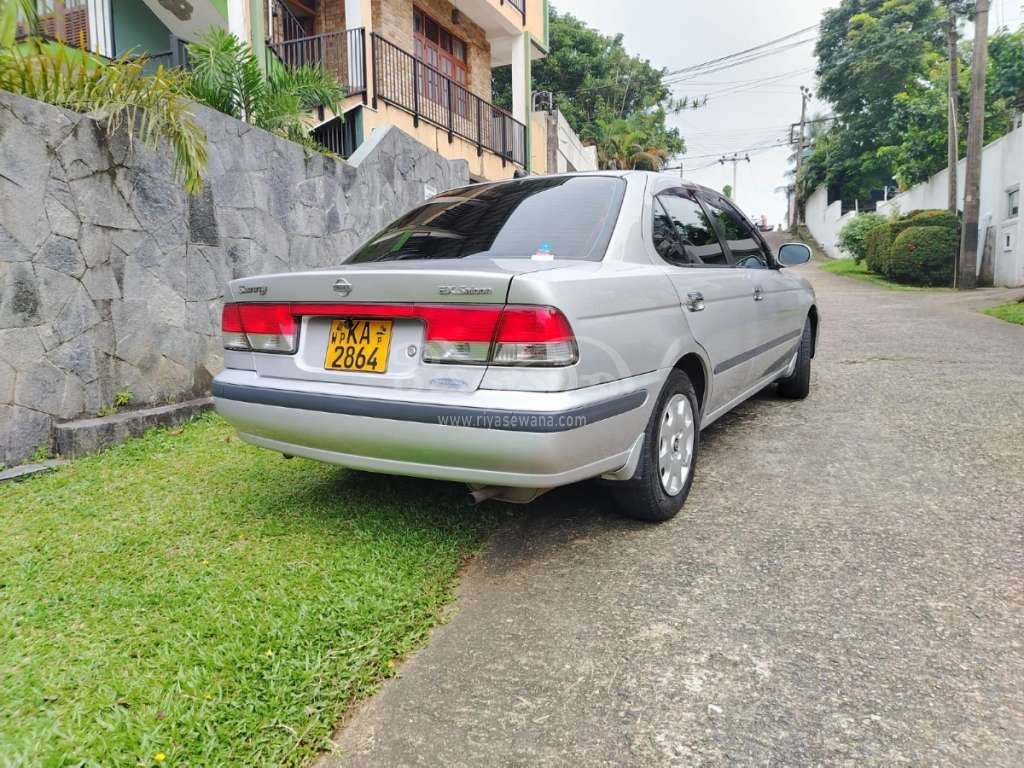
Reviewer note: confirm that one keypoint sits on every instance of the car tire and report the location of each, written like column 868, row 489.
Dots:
column 658, row 489
column 798, row 384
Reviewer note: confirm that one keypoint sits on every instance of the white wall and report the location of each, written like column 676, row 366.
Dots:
column 825, row 221
column 565, row 150
column 571, row 152
column 1002, row 169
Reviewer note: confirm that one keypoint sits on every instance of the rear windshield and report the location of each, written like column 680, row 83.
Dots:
column 544, row 218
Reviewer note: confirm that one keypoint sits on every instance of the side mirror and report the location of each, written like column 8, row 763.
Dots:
column 793, row 255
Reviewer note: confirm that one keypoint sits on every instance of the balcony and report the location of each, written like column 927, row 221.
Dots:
column 341, row 54
column 405, row 82
column 519, row 5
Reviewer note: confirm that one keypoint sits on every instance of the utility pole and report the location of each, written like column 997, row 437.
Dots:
column 805, row 94
column 968, row 278
column 735, row 160
column 953, row 142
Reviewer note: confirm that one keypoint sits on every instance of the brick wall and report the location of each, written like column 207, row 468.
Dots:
column 330, row 17
column 392, row 20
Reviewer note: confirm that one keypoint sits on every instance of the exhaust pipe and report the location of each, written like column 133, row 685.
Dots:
column 480, row 495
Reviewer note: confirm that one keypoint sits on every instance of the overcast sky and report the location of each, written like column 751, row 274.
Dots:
column 681, row 33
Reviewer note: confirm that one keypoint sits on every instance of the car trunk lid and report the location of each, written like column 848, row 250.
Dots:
column 384, row 307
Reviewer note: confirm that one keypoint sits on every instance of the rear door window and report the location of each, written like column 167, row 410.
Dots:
column 567, row 217
column 692, row 228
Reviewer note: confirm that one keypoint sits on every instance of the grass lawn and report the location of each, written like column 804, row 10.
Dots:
column 1011, row 313
column 850, row 268
column 188, row 599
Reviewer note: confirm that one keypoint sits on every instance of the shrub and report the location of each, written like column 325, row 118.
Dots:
column 880, row 249
column 935, row 218
column 853, row 237
column 118, row 92
column 923, row 256
column 876, row 247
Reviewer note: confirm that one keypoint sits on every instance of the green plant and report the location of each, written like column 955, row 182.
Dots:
column 853, row 236
column 123, row 398
column 1011, row 313
column 10, row 11
column 923, row 256
column 850, row 269
column 106, row 410
column 231, row 621
column 934, row 218
column 876, row 247
column 42, row 453
column 226, row 76
column 118, row 93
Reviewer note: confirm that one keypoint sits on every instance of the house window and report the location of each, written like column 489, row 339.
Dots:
column 443, row 51
column 1013, row 202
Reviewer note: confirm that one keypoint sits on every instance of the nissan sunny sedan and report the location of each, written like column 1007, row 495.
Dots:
column 522, row 335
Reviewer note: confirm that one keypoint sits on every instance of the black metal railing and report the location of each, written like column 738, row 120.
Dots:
column 175, row 56
column 337, row 134
column 402, row 80
column 342, row 54
column 283, row 24
column 519, row 5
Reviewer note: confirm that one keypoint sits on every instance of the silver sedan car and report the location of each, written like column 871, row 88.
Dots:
column 523, row 335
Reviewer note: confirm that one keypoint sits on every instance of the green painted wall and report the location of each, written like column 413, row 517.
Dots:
column 136, row 28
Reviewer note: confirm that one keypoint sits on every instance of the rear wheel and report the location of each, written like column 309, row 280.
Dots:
column 665, row 473
column 798, row 384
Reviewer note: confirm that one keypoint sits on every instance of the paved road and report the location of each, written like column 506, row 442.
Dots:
column 844, row 587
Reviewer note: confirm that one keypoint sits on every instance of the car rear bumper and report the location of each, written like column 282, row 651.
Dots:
column 488, row 437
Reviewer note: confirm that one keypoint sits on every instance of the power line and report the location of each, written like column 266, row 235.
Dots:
column 730, row 56
column 736, row 63
column 781, row 142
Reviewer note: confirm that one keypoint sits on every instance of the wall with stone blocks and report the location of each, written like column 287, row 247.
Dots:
column 111, row 275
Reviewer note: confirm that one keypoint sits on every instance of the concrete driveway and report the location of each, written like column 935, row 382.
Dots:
column 844, row 587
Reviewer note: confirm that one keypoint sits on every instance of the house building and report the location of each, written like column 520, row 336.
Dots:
column 421, row 65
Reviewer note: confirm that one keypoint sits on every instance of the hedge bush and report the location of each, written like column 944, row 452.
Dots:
column 879, row 242
column 923, row 256
column 876, row 248
column 853, row 236
column 935, row 218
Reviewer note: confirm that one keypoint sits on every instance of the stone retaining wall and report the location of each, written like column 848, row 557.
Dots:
column 111, row 276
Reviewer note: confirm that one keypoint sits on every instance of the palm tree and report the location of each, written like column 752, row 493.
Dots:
column 621, row 145
column 226, row 76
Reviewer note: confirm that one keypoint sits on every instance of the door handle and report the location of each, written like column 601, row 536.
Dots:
column 695, row 301
column 758, row 294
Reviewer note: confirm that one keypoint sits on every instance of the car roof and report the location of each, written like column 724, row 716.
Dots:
column 628, row 176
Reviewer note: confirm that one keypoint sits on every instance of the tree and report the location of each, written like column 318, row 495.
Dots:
column 885, row 66
column 918, row 144
column 727, row 191
column 227, row 77
column 611, row 99
column 869, row 51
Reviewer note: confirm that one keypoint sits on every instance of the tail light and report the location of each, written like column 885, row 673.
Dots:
column 534, row 336
column 259, row 327
column 510, row 335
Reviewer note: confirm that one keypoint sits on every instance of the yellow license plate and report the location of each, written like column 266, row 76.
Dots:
column 358, row 345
